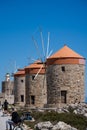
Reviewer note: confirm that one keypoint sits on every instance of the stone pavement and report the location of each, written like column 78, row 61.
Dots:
column 3, row 120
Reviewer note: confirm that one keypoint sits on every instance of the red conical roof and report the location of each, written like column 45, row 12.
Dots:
column 35, row 68
column 66, row 52
column 38, row 64
column 65, row 56
column 20, row 72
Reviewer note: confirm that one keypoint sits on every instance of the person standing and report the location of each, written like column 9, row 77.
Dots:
column 5, row 106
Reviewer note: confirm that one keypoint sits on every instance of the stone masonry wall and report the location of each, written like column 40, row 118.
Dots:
column 66, row 77
column 19, row 89
column 7, row 87
column 36, row 88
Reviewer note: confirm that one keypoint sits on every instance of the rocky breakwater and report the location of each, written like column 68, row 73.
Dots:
column 76, row 108
column 48, row 126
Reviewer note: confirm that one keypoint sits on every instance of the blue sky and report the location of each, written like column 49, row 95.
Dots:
column 66, row 20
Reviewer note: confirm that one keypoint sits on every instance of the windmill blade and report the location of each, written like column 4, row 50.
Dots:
column 48, row 45
column 38, row 72
column 32, row 59
column 15, row 67
column 42, row 42
column 49, row 53
column 37, row 48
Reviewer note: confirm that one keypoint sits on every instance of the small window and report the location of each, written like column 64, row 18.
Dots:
column 22, row 98
column 22, row 80
column 63, row 96
column 12, row 92
column 32, row 99
column 63, row 68
column 33, row 77
column 82, row 73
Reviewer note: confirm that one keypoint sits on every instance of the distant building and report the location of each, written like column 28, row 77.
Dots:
column 7, row 85
column 7, row 90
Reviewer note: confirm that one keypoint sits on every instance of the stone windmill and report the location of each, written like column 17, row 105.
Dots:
column 36, row 87
column 65, row 78
column 19, row 87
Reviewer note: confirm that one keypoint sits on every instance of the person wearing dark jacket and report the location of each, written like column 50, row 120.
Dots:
column 14, row 120
column 5, row 106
